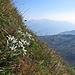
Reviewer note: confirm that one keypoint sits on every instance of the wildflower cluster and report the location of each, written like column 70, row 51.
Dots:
column 15, row 44
column 28, row 35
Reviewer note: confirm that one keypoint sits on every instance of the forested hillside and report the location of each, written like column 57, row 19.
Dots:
column 64, row 44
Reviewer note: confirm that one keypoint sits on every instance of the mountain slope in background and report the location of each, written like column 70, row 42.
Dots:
column 50, row 27
column 21, row 53
column 72, row 32
column 64, row 44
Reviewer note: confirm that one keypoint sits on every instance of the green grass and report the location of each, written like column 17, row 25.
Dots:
column 40, row 59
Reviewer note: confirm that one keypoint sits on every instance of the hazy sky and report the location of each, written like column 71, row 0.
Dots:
column 48, row 9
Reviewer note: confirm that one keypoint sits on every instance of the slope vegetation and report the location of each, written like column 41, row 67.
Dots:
column 64, row 45
column 21, row 53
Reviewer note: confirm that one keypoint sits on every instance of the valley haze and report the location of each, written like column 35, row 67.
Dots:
column 49, row 27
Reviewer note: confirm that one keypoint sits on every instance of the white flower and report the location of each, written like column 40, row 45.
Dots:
column 25, row 51
column 10, row 38
column 19, row 28
column 26, row 33
column 13, row 47
column 14, row 41
column 19, row 45
column 19, row 32
column 20, row 42
column 27, row 43
column 23, row 34
column 15, row 44
column 23, row 41
column 32, row 39
column 29, row 35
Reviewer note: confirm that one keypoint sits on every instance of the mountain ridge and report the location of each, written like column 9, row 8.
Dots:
column 72, row 32
column 63, row 44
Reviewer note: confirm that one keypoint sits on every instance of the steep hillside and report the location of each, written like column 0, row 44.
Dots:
column 64, row 44
column 21, row 53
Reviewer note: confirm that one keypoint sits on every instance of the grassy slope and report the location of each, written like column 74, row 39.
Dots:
column 27, row 55
column 64, row 44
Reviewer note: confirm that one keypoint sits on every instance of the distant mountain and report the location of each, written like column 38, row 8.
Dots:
column 50, row 27
column 72, row 32
column 63, row 44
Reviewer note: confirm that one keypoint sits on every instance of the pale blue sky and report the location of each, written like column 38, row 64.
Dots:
column 48, row 9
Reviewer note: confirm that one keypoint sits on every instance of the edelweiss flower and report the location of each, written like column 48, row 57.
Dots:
column 23, row 41
column 20, row 42
column 15, row 44
column 12, row 38
column 14, row 41
column 27, row 43
column 13, row 47
column 25, row 51
column 32, row 39
column 23, row 34
column 19, row 32
column 28, row 34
